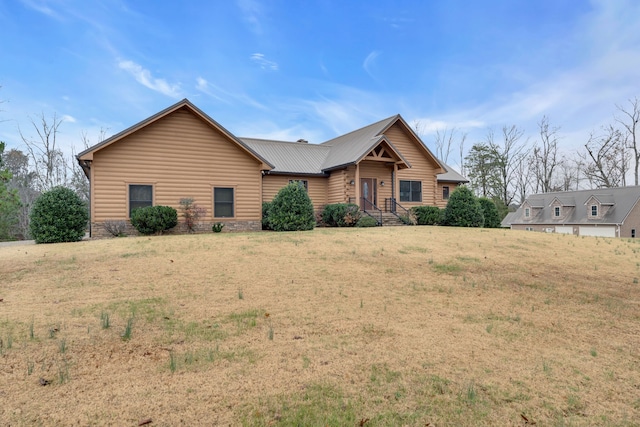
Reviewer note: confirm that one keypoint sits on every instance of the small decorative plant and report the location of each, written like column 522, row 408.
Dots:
column 217, row 227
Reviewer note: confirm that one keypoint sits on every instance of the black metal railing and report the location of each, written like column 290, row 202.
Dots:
column 372, row 210
column 392, row 205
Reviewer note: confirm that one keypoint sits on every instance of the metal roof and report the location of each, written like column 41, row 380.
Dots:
column 290, row 157
column 450, row 175
column 621, row 200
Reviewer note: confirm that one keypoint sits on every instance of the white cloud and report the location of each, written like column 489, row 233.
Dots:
column 42, row 7
column 252, row 10
column 68, row 118
column 369, row 62
column 144, row 77
column 263, row 62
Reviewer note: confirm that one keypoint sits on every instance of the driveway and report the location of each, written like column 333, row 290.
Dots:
column 18, row 243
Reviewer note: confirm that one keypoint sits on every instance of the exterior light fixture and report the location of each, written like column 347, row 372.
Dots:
column 381, row 183
column 352, row 182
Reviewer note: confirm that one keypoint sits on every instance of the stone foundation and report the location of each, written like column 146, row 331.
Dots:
column 98, row 230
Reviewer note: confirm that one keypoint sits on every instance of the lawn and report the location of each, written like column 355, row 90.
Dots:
column 377, row 327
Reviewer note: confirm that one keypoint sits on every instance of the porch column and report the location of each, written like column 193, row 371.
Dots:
column 357, row 184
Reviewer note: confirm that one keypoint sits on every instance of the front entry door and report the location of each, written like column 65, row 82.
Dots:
column 367, row 192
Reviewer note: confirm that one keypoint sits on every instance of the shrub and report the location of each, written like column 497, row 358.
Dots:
column 154, row 219
column 490, row 213
column 366, row 221
column 266, row 207
column 291, row 209
column 115, row 227
column 191, row 213
column 428, row 215
column 217, row 227
column 58, row 215
column 463, row 209
column 341, row 215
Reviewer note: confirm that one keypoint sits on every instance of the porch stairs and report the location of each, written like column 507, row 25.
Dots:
column 388, row 219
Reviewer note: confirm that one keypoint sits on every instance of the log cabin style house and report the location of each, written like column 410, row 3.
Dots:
column 181, row 152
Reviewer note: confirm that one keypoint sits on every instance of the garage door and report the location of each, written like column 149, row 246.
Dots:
column 598, row 231
column 564, row 229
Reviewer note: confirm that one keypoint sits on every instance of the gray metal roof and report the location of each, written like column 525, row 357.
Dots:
column 349, row 148
column 507, row 220
column 450, row 175
column 290, row 157
column 621, row 200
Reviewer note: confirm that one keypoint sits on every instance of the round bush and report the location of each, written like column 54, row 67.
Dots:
column 490, row 213
column 58, row 215
column 341, row 214
column 367, row 221
column 428, row 215
column 266, row 207
column 291, row 210
column 154, row 219
column 463, row 209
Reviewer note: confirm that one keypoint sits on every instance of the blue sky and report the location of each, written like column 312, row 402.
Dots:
column 315, row 69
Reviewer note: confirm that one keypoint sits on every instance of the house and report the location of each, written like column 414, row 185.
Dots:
column 182, row 152
column 607, row 212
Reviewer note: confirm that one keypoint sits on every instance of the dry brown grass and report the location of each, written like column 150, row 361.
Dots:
column 400, row 326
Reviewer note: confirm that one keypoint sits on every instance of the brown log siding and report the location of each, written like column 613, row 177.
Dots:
column 181, row 156
column 422, row 168
column 317, row 187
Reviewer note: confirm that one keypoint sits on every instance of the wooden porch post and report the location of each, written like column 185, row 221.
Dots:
column 357, row 184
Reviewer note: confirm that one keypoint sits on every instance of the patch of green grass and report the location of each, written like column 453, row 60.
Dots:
column 62, row 346
column 104, row 320
column 128, row 329
column 447, row 268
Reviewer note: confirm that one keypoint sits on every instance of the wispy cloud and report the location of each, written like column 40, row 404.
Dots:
column 251, row 13
column 144, row 77
column 222, row 95
column 263, row 62
column 42, row 7
column 369, row 62
column 68, row 118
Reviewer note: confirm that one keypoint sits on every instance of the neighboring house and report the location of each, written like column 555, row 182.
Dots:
column 182, row 152
column 607, row 212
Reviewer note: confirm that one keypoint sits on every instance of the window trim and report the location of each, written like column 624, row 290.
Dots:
column 410, row 191
column 594, row 207
column 233, row 202
column 129, row 185
column 445, row 189
column 557, row 211
column 527, row 212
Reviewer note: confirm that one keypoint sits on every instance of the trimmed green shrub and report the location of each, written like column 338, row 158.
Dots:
column 58, row 215
column 463, row 209
column 266, row 207
column 291, row 209
column 428, row 215
column 341, row 215
column 366, row 221
column 490, row 213
column 154, row 219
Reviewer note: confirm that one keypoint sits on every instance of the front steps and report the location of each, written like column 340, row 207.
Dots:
column 388, row 219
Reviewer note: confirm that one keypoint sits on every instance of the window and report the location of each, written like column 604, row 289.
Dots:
column 140, row 196
column 302, row 182
column 410, row 191
column 223, row 202
column 633, row 233
column 556, row 211
column 445, row 192
column 594, row 210
column 527, row 212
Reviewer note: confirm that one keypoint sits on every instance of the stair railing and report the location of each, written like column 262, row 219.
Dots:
column 372, row 210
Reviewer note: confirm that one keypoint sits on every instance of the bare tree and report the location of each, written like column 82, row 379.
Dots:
column 48, row 160
column 545, row 157
column 79, row 181
column 23, row 182
column 606, row 161
column 507, row 156
column 629, row 121
column 445, row 140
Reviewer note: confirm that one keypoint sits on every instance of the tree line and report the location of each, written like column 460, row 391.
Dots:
column 25, row 175
column 506, row 166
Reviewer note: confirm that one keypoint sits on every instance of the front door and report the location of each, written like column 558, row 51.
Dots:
column 367, row 192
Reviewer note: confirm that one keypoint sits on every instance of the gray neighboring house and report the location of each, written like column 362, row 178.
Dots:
column 605, row 212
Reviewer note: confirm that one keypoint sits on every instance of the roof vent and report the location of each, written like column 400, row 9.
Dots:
column 303, row 141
